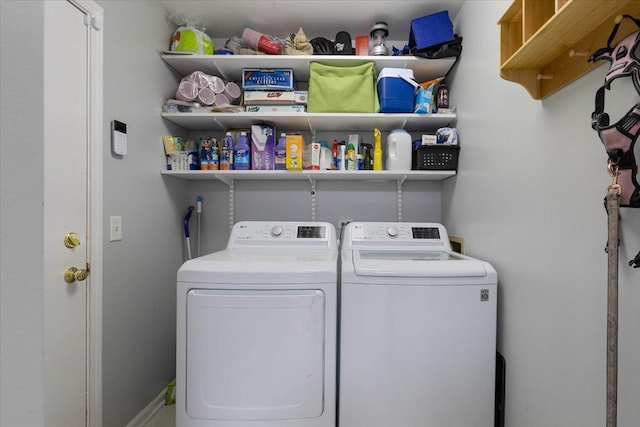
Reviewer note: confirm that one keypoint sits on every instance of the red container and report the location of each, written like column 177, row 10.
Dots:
column 362, row 45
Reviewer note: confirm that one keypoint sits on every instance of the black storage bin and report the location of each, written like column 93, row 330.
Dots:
column 436, row 157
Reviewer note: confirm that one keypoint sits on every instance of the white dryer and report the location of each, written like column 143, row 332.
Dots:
column 256, row 329
column 417, row 330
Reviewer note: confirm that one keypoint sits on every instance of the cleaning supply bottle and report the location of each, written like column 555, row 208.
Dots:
column 377, row 150
column 226, row 152
column 342, row 156
column 241, row 153
column 281, row 153
column 442, row 96
column 351, row 157
column 214, row 154
column 399, row 150
column 367, row 157
column 326, row 159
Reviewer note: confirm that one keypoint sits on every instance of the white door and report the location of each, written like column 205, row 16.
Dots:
column 68, row 103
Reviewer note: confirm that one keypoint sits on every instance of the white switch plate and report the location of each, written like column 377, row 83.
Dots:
column 116, row 229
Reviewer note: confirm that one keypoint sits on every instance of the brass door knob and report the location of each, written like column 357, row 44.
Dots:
column 75, row 274
column 71, row 240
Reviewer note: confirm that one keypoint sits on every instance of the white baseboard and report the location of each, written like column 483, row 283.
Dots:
column 149, row 411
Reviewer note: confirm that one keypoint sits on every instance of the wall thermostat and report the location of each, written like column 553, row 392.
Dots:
column 118, row 138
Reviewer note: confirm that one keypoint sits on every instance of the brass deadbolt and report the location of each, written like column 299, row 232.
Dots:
column 71, row 240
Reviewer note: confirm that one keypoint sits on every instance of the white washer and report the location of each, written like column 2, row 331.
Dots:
column 256, row 329
column 417, row 330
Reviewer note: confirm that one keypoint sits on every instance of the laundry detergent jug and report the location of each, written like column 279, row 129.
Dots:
column 398, row 150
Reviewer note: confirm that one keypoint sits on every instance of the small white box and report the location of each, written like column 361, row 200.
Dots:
column 272, row 97
column 274, row 108
column 311, row 156
column 429, row 140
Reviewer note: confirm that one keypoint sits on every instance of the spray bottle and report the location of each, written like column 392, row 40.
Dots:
column 377, row 150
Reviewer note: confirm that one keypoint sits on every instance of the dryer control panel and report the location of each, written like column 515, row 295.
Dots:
column 308, row 234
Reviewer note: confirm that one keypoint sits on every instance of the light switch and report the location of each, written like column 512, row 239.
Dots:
column 116, row 229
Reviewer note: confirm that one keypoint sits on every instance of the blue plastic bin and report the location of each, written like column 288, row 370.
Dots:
column 431, row 30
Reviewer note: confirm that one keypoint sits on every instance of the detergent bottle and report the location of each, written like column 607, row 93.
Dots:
column 399, row 150
column 242, row 153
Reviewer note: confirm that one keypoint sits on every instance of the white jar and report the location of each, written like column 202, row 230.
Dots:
column 398, row 150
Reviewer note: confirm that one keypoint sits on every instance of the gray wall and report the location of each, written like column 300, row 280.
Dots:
column 21, row 213
column 528, row 197
column 291, row 201
column 139, row 271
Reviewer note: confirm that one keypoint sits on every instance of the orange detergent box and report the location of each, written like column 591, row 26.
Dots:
column 294, row 144
column 311, row 156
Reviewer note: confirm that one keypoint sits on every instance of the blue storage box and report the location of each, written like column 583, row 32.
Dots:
column 396, row 90
column 431, row 30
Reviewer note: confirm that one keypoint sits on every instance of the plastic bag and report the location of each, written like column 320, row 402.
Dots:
column 190, row 39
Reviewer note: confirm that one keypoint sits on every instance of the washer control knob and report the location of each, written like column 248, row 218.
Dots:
column 392, row 232
column 277, row 231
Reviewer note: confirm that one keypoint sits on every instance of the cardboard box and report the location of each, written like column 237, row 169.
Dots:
column 294, row 144
column 275, row 97
column 267, row 79
column 263, row 142
column 311, row 156
column 274, row 108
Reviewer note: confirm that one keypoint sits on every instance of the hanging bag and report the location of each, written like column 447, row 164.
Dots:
column 334, row 89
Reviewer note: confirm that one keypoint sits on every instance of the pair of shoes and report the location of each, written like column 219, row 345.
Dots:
column 341, row 46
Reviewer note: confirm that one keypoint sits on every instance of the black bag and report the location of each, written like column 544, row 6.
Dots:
column 448, row 49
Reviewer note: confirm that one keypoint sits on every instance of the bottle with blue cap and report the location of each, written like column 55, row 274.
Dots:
column 281, row 153
column 241, row 153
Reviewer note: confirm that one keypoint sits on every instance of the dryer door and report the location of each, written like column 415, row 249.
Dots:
column 255, row 354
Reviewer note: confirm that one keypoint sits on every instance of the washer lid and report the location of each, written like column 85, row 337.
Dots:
column 415, row 263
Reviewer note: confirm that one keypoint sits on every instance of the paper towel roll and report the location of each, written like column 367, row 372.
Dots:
column 206, row 96
column 187, row 90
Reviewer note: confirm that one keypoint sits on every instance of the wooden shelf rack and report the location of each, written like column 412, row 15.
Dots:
column 544, row 44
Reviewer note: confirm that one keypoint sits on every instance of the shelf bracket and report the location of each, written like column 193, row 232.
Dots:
column 225, row 179
column 311, row 129
column 312, row 181
column 399, row 196
column 232, row 207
